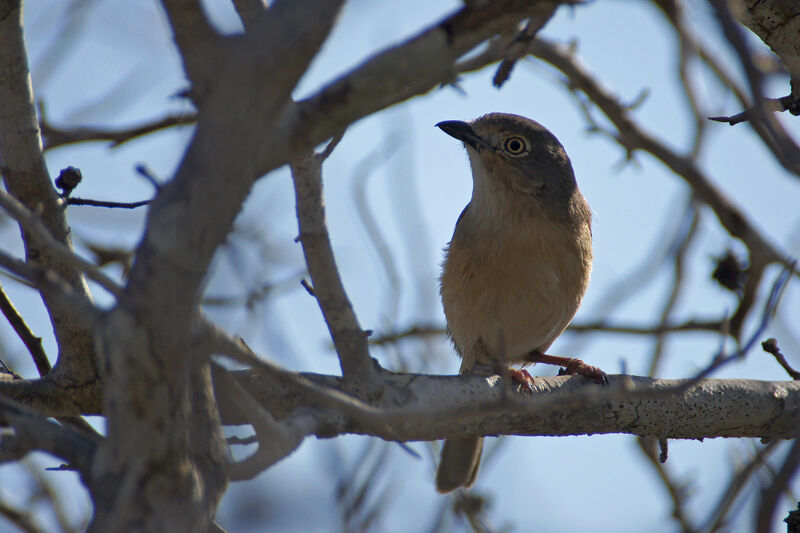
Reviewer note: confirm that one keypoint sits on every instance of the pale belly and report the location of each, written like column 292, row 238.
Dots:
column 515, row 295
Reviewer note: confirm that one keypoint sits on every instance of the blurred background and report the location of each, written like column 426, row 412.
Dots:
column 395, row 186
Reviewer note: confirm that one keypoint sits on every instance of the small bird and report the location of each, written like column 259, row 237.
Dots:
column 518, row 264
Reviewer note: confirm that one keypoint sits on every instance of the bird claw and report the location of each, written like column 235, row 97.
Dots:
column 519, row 376
column 576, row 366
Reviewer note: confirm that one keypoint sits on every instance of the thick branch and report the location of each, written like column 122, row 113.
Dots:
column 424, row 407
column 416, row 66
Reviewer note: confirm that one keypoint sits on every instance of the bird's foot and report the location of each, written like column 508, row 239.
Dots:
column 519, row 376
column 570, row 366
column 576, row 366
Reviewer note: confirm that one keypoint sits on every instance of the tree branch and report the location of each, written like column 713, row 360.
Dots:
column 45, row 240
column 348, row 337
column 428, row 407
column 31, row 341
column 54, row 137
column 26, row 178
column 633, row 137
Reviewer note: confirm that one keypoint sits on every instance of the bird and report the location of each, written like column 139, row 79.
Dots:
column 517, row 266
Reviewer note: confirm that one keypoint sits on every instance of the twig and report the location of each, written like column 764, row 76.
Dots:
column 22, row 519
column 739, row 481
column 633, row 137
column 678, row 491
column 84, row 313
column 307, row 286
column 679, row 249
column 786, row 103
column 31, row 341
column 275, row 439
column 516, row 50
column 435, row 330
column 54, row 137
column 34, row 432
column 771, row 494
column 767, row 313
column 148, row 175
column 779, row 141
column 34, row 226
column 103, row 203
column 364, row 169
column 771, row 347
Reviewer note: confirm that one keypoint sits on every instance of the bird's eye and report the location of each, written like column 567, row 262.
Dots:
column 515, row 145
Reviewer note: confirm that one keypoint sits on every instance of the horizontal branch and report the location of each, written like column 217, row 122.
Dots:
column 426, row 407
column 53, row 137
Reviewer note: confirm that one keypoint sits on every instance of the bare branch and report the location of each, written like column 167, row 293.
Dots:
column 678, row 490
column 33, row 432
column 26, row 178
column 779, row 141
column 633, row 137
column 771, row 347
column 423, row 62
column 436, row 330
column 737, row 484
column 33, row 225
column 771, row 495
column 777, row 105
column 249, row 11
column 435, row 407
column 103, row 203
column 275, row 439
column 348, row 337
column 31, row 341
column 55, row 137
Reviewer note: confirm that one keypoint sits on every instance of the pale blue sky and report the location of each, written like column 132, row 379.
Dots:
column 123, row 58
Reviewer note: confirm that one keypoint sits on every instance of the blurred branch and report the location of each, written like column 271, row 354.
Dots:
column 35, row 433
column 678, row 491
column 54, row 137
column 249, row 11
column 364, row 169
column 427, row 60
column 771, row 495
column 632, row 137
column 771, row 347
column 275, row 439
column 104, row 203
column 679, row 251
column 778, row 105
column 39, row 232
column 778, row 139
column 435, row 330
column 718, row 518
column 23, row 519
column 31, row 341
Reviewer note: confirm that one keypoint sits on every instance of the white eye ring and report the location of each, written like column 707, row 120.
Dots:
column 515, row 145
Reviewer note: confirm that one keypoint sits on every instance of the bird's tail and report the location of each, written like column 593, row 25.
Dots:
column 459, row 463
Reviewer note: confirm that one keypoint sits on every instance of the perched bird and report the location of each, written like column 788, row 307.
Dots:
column 518, row 264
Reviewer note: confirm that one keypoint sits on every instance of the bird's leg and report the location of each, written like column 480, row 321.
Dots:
column 570, row 364
column 519, row 376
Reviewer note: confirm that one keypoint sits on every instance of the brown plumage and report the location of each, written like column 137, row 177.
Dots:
column 519, row 261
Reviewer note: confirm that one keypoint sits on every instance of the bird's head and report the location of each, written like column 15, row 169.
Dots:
column 515, row 159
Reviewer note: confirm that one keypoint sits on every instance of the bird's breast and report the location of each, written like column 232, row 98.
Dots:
column 514, row 291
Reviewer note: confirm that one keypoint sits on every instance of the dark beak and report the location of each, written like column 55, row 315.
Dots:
column 463, row 132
